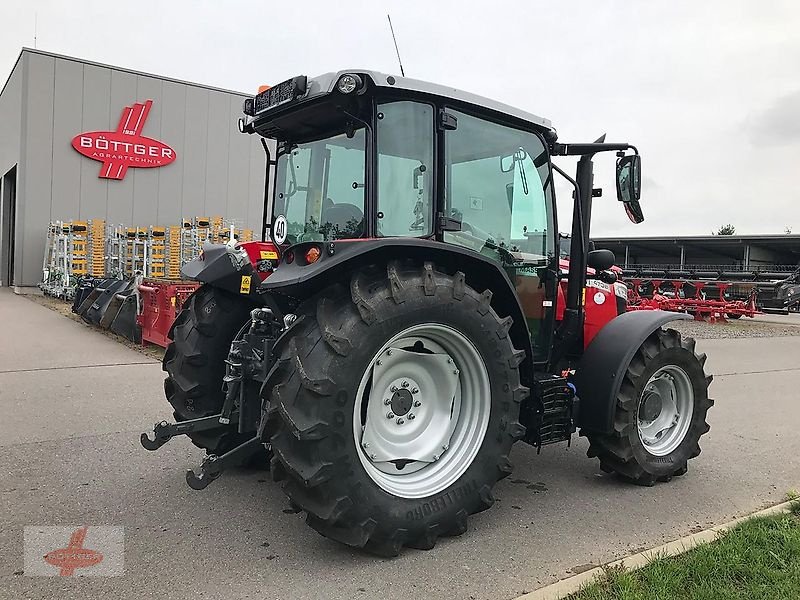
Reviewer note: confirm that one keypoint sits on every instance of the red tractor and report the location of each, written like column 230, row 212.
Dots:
column 407, row 319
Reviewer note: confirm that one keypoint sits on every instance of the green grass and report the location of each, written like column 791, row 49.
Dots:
column 759, row 559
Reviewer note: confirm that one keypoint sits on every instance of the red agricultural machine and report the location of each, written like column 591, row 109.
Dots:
column 718, row 294
column 407, row 319
column 704, row 300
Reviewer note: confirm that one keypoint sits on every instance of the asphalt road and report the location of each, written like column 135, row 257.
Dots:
column 74, row 402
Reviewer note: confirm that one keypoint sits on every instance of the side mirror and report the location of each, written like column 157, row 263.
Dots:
column 507, row 162
column 600, row 260
column 629, row 185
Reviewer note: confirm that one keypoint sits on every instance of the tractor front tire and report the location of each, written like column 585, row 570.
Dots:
column 195, row 361
column 320, row 393
column 660, row 413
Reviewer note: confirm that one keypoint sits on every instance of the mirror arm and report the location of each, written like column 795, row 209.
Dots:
column 582, row 149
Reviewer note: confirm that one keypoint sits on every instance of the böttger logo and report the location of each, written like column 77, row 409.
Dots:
column 126, row 147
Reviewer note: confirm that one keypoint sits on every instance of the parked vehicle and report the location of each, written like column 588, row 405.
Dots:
column 407, row 319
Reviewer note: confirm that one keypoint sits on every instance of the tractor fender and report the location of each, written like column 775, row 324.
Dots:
column 296, row 277
column 225, row 267
column 599, row 374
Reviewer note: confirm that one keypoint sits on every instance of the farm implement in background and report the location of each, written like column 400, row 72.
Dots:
column 770, row 289
column 705, row 300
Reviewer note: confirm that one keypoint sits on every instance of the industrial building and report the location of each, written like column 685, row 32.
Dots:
column 82, row 140
column 86, row 141
column 779, row 252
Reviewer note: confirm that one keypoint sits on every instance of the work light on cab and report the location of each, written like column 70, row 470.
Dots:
column 349, row 83
column 248, row 107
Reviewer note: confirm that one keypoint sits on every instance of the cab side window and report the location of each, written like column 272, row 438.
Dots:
column 405, row 169
column 495, row 185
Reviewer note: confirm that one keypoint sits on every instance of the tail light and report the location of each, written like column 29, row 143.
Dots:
column 313, row 254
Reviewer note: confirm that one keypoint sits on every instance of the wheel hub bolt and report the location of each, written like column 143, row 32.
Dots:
column 449, row 361
column 455, row 371
column 417, row 403
column 411, row 416
column 379, row 362
column 387, row 401
column 400, row 421
column 393, row 388
column 373, row 456
column 365, row 444
column 390, row 415
column 445, row 447
column 388, row 352
column 405, row 384
column 415, row 390
column 435, row 457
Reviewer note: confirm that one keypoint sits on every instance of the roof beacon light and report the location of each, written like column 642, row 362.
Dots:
column 349, row 83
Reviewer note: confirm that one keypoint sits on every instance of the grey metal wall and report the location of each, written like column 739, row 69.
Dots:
column 218, row 171
column 10, row 135
column 10, row 121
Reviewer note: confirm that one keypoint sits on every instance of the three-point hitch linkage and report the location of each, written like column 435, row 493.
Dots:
column 249, row 359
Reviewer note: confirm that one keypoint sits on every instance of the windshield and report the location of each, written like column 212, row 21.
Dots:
column 320, row 188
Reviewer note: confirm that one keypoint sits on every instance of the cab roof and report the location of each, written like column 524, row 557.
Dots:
column 324, row 84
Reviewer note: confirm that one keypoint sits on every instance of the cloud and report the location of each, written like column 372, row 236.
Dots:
column 649, row 183
column 704, row 95
column 778, row 124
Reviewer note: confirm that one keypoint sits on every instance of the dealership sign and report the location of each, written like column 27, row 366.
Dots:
column 125, row 147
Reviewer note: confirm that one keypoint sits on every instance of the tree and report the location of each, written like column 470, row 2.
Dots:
column 725, row 230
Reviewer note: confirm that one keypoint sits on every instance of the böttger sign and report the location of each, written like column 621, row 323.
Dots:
column 126, row 147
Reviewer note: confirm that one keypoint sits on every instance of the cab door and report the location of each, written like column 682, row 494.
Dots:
column 498, row 185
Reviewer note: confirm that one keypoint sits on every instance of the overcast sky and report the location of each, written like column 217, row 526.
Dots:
column 709, row 91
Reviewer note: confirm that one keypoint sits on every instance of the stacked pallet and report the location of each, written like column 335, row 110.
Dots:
column 97, row 247
column 155, row 267
column 65, row 257
column 77, row 232
column 174, row 252
column 76, row 249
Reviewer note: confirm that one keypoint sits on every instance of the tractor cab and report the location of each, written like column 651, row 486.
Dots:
column 363, row 155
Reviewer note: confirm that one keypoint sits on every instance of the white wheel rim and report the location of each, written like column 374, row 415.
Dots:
column 450, row 409
column 665, row 410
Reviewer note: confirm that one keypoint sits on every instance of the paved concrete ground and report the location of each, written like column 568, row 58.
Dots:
column 74, row 402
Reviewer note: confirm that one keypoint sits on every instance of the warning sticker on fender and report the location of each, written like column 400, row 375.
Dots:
column 244, row 288
column 597, row 284
column 268, row 255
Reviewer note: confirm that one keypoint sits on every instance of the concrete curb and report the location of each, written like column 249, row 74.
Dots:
column 570, row 585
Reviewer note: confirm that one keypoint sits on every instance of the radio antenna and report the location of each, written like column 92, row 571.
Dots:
column 396, row 49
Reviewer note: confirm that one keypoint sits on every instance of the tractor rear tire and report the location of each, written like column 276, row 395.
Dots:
column 637, row 450
column 315, row 394
column 195, row 361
